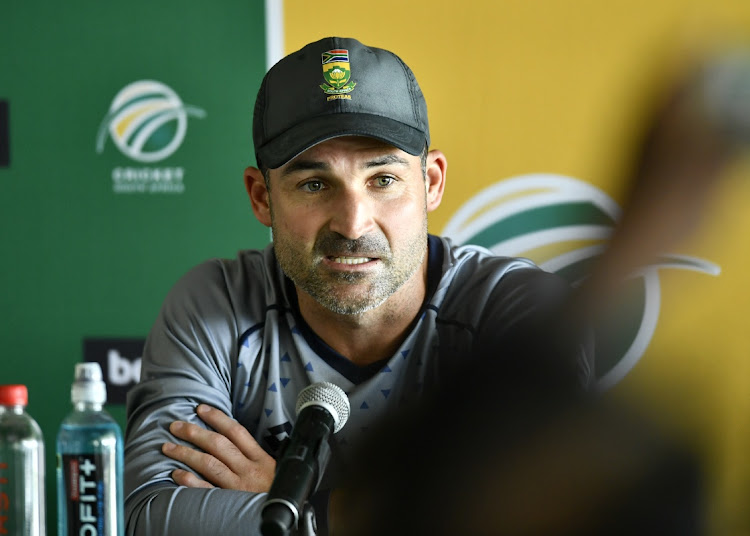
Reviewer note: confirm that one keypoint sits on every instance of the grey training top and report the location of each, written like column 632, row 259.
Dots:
column 230, row 335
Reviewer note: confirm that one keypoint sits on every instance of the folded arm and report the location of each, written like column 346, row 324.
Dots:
column 187, row 361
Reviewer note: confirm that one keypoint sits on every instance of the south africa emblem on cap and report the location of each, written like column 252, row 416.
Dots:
column 337, row 73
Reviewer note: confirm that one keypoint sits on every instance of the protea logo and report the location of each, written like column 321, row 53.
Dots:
column 562, row 224
column 147, row 121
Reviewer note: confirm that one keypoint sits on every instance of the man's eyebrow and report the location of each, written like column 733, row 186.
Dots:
column 305, row 165
column 318, row 165
column 386, row 160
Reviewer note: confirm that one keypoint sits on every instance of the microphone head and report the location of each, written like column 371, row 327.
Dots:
column 328, row 396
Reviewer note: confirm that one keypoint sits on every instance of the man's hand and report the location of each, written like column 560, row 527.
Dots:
column 231, row 458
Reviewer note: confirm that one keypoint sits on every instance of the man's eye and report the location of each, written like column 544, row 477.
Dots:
column 384, row 181
column 313, row 186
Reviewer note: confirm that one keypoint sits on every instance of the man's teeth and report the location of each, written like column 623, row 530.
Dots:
column 351, row 260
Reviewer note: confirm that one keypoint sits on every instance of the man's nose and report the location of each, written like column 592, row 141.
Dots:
column 353, row 215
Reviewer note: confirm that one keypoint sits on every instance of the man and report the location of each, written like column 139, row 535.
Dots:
column 352, row 291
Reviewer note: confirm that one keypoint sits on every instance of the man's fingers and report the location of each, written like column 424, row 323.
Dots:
column 227, row 455
column 232, row 430
column 212, row 442
column 186, row 478
column 246, row 457
column 211, row 468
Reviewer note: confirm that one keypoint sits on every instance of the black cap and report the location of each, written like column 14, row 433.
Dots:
column 337, row 87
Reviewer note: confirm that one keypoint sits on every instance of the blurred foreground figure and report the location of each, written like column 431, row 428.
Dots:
column 490, row 462
column 491, row 456
column 694, row 133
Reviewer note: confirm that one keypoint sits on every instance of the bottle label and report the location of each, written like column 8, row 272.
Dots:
column 85, row 494
column 7, row 523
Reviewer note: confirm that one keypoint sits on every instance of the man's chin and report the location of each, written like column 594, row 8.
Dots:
column 348, row 305
column 350, row 278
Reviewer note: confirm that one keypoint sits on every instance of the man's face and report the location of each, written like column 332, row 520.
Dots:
column 349, row 221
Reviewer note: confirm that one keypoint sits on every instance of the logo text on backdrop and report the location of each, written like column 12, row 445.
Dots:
column 147, row 121
column 120, row 359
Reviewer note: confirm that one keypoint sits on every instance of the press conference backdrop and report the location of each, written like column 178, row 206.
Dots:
column 104, row 203
column 128, row 129
column 537, row 105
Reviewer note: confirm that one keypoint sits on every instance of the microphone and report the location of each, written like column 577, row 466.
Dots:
column 322, row 408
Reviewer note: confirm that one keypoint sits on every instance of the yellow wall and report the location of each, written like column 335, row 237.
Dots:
column 522, row 86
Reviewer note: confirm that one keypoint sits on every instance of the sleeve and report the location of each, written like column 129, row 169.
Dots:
column 187, row 360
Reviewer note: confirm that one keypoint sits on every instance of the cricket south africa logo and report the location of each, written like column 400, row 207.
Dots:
column 562, row 224
column 337, row 74
column 147, row 121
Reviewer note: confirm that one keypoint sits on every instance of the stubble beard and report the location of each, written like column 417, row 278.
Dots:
column 332, row 289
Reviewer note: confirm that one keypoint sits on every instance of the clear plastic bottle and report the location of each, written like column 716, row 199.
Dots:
column 22, row 510
column 89, row 461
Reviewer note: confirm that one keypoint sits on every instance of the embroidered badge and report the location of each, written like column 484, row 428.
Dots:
column 337, row 74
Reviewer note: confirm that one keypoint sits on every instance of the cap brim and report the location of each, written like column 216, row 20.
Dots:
column 301, row 137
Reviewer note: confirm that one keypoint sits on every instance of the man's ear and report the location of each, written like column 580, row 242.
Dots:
column 255, row 184
column 436, row 170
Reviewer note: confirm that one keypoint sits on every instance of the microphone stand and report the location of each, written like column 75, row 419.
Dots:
column 298, row 474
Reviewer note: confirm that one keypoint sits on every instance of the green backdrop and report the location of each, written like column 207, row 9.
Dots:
column 80, row 259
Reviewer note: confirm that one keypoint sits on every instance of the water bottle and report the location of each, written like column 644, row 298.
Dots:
column 22, row 510
column 89, row 461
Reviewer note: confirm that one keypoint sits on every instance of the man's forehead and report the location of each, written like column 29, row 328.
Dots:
column 368, row 150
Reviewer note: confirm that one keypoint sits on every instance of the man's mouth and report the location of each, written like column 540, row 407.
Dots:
column 351, row 260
